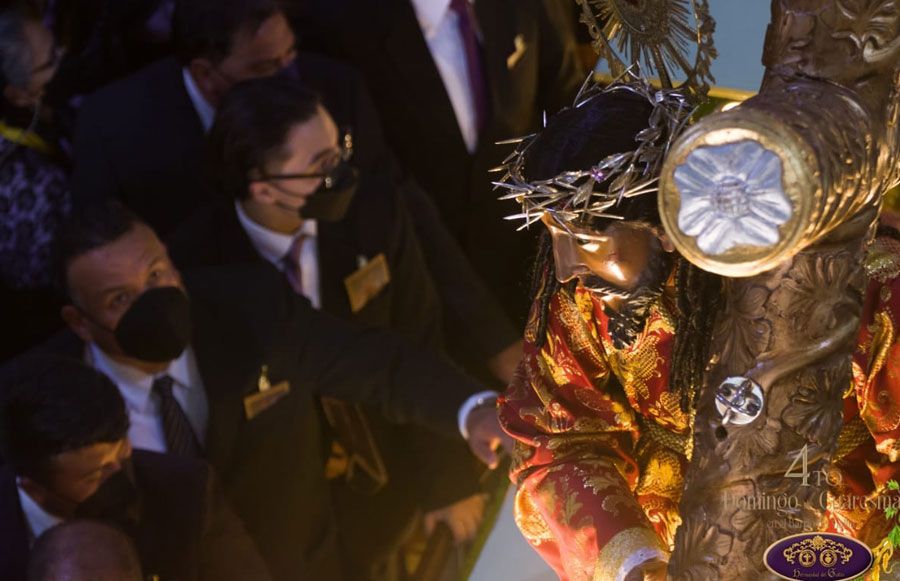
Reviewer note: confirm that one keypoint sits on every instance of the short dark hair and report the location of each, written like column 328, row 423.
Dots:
column 83, row 549
column 207, row 28
column 252, row 124
column 88, row 228
column 53, row 404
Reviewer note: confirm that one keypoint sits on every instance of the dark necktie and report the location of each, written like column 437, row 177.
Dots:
column 291, row 262
column 180, row 436
column 477, row 81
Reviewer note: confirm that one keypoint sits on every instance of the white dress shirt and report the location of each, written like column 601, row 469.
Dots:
column 440, row 28
column 274, row 246
column 146, row 431
column 37, row 519
column 205, row 111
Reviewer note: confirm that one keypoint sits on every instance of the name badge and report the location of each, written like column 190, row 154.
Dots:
column 267, row 396
column 364, row 284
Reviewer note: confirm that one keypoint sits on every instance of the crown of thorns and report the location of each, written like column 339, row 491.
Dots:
column 574, row 195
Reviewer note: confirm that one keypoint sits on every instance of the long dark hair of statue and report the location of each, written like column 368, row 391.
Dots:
column 576, row 139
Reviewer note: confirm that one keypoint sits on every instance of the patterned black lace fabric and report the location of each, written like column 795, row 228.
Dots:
column 34, row 198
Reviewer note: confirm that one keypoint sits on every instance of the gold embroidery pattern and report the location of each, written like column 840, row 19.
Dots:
column 529, row 520
column 663, row 514
column 882, row 261
column 620, row 547
column 882, row 340
column 852, row 435
column 661, row 475
column 676, row 442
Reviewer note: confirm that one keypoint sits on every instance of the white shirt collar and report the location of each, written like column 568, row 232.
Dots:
column 273, row 246
column 38, row 519
column 134, row 384
column 205, row 111
column 430, row 13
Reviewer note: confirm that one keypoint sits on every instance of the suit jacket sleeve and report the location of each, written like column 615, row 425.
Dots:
column 473, row 318
column 326, row 355
column 408, row 383
column 446, row 470
column 332, row 357
column 227, row 552
column 416, row 310
column 574, row 461
column 93, row 177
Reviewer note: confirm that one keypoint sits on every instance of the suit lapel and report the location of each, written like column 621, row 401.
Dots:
column 409, row 54
column 173, row 96
column 13, row 531
column 229, row 366
column 337, row 259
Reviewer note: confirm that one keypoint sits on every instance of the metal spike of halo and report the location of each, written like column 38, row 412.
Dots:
column 572, row 195
column 656, row 35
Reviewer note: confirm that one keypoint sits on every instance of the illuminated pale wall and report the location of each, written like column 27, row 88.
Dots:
column 740, row 32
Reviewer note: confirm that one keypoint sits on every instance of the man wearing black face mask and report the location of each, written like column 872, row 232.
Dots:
column 241, row 391
column 141, row 140
column 271, row 150
column 63, row 432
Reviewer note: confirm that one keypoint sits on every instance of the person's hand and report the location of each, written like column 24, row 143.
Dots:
column 503, row 365
column 486, row 435
column 652, row 570
column 463, row 517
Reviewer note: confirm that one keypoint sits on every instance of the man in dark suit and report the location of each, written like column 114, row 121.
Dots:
column 365, row 267
column 142, row 139
column 63, row 432
column 232, row 374
column 450, row 78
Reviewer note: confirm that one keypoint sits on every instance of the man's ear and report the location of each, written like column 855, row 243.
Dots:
column 77, row 322
column 261, row 193
column 202, row 71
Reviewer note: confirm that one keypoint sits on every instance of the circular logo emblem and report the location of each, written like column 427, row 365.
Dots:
column 818, row 556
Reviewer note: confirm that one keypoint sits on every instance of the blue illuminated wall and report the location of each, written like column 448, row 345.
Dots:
column 740, row 32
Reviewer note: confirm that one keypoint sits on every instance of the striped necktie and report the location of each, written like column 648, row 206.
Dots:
column 180, row 437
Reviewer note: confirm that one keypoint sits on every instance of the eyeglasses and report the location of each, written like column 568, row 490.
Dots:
column 330, row 168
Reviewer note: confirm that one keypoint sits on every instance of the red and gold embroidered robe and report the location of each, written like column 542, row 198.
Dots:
column 601, row 443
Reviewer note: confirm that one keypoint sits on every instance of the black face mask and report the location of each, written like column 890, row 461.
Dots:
column 157, row 326
column 115, row 501
column 331, row 200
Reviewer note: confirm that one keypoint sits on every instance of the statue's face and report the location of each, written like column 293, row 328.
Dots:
column 620, row 257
